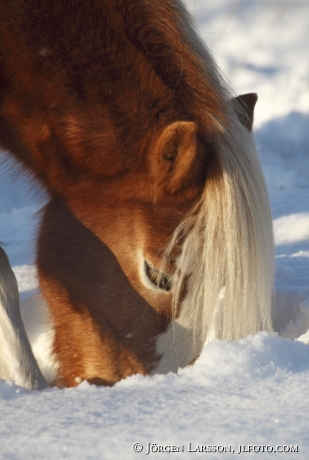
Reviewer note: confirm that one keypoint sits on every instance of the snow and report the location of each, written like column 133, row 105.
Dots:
column 250, row 392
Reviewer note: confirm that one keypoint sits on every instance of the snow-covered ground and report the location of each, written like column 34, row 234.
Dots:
column 250, row 392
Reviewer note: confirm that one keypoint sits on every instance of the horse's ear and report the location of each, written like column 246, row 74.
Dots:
column 172, row 155
column 244, row 106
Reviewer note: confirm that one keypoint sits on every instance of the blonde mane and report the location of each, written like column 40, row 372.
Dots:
column 227, row 257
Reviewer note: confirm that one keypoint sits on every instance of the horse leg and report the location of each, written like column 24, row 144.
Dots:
column 17, row 361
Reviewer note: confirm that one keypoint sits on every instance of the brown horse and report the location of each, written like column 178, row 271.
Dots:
column 157, row 236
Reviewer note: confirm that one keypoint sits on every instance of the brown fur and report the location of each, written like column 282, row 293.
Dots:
column 110, row 105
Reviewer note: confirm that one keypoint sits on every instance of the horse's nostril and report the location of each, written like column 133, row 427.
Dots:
column 159, row 279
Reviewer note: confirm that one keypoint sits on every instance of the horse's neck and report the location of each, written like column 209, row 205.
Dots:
column 87, row 121
column 66, row 126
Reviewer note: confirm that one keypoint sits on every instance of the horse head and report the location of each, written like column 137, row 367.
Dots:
column 158, row 233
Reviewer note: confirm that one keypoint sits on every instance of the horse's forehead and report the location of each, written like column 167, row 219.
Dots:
column 136, row 227
column 165, row 213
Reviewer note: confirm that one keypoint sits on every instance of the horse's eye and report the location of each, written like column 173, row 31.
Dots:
column 157, row 278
